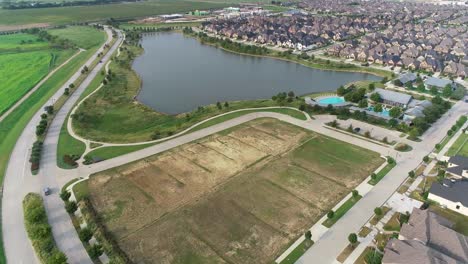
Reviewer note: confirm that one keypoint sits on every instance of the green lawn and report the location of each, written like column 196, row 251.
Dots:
column 84, row 37
column 68, row 145
column 64, row 15
column 460, row 221
column 297, row 252
column 81, row 190
column 393, row 224
column 20, row 42
column 112, row 152
column 382, row 173
column 341, row 211
column 459, row 147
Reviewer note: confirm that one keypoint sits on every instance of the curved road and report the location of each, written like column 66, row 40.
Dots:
column 19, row 181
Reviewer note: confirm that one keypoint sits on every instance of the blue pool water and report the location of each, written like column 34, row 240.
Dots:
column 384, row 112
column 332, row 100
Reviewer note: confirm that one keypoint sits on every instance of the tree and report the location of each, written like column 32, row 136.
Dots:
column 409, row 86
column 434, row 90
column 341, row 91
column 330, row 214
column 226, row 104
column 355, row 193
column 371, row 87
column 375, row 97
column 392, row 122
column 426, row 159
column 395, row 112
column 373, row 176
column 421, row 87
column 308, row 235
column 447, row 91
column 66, row 92
column 71, row 86
column 411, row 174
column 378, row 211
column 413, row 133
column 218, row 104
column 57, row 257
column 291, row 94
column 363, row 103
column 378, row 108
column 352, row 238
column 49, row 109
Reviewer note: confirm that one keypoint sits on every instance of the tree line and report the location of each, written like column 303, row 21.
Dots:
column 25, row 5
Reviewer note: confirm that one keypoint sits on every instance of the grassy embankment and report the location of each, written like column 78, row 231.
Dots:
column 24, row 61
column 459, row 147
column 64, row 15
column 13, row 125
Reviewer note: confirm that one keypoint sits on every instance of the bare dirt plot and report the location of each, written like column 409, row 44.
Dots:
column 240, row 196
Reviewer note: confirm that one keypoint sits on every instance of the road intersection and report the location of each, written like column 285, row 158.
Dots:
column 19, row 181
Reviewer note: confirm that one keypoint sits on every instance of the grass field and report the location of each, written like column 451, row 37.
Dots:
column 64, row 15
column 83, row 37
column 20, row 42
column 459, row 147
column 240, row 196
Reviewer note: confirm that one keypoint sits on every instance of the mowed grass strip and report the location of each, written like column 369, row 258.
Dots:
column 297, row 252
column 459, row 147
column 341, row 211
column 381, row 174
column 239, row 196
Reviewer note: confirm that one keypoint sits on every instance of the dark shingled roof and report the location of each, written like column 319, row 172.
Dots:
column 452, row 190
column 461, row 162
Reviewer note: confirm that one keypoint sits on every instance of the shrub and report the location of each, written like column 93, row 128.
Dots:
column 39, row 231
column 378, row 211
column 65, row 195
column 308, row 235
column 69, row 160
column 71, row 207
column 95, row 251
column 330, row 214
column 85, row 234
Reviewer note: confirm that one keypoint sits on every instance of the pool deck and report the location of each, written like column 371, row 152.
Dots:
column 316, row 101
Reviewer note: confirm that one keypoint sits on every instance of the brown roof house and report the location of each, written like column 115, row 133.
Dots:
column 427, row 239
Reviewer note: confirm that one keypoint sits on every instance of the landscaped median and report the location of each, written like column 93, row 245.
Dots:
column 376, row 177
column 39, row 230
column 334, row 216
column 450, row 133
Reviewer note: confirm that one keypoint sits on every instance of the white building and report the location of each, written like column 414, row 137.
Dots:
column 451, row 194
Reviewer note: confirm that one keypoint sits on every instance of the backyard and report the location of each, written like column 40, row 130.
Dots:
column 242, row 195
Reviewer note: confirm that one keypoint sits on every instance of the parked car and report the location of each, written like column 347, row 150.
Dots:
column 357, row 129
column 47, row 191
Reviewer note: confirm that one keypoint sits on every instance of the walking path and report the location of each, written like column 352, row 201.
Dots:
column 38, row 85
column 19, row 181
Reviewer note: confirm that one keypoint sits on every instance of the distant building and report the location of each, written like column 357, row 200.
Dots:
column 451, row 194
column 438, row 83
column 427, row 238
column 172, row 16
column 458, row 166
column 394, row 98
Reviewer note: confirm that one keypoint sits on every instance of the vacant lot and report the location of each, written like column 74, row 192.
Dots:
column 83, row 37
column 240, row 196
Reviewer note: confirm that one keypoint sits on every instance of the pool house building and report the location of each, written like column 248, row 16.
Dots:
column 394, row 98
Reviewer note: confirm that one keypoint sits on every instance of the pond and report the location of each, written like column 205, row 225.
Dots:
column 179, row 74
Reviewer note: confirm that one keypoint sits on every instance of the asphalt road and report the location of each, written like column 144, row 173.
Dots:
column 19, row 181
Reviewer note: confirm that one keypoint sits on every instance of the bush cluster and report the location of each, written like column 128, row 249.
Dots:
column 35, row 157
column 39, row 230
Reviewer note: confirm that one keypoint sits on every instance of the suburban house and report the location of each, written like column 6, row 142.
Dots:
column 394, row 98
column 458, row 166
column 416, row 109
column 438, row 83
column 427, row 238
column 408, row 77
column 451, row 194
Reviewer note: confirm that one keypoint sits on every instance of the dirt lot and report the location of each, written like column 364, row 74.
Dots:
column 240, row 196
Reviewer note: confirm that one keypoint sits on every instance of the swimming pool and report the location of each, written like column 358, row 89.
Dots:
column 331, row 100
column 384, row 112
